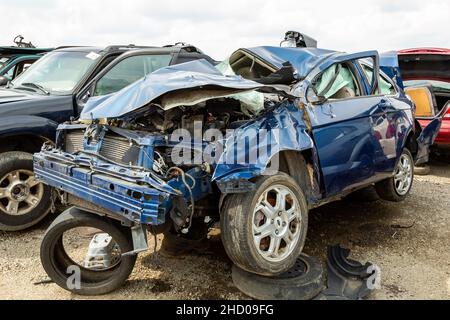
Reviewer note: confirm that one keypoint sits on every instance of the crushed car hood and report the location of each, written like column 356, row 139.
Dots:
column 184, row 84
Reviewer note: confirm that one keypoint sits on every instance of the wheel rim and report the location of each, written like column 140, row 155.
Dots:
column 276, row 223
column 20, row 193
column 404, row 175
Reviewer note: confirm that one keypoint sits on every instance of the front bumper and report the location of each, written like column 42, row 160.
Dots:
column 127, row 197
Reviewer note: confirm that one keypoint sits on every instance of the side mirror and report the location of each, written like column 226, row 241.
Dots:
column 4, row 80
column 313, row 97
column 84, row 95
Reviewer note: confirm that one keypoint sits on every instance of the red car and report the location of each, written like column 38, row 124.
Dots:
column 430, row 67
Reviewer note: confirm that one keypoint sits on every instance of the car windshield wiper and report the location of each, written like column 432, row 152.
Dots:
column 36, row 86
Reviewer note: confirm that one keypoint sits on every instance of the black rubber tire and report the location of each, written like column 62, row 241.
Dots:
column 368, row 194
column 236, row 228
column 56, row 261
column 386, row 188
column 304, row 282
column 16, row 160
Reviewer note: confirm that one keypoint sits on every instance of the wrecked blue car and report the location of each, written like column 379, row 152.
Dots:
column 253, row 144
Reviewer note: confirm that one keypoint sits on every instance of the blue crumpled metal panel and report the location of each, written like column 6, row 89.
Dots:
column 286, row 131
column 426, row 140
column 138, row 203
column 195, row 74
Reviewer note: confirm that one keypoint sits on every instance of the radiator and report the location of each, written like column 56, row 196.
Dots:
column 114, row 147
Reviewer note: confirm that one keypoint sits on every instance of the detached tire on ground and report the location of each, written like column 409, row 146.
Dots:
column 304, row 281
column 23, row 201
column 59, row 266
column 264, row 231
column 397, row 188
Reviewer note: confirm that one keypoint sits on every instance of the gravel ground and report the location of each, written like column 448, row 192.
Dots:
column 409, row 241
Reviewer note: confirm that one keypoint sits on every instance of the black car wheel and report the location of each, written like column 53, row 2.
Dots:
column 24, row 201
column 83, row 253
column 304, row 281
column 398, row 187
column 264, row 232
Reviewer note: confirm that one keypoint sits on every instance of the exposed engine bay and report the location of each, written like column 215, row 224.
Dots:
column 140, row 151
column 217, row 114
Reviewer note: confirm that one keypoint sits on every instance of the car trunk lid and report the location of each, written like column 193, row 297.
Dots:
column 430, row 64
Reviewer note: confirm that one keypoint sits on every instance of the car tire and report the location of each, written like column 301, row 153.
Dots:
column 56, row 261
column 397, row 188
column 17, row 183
column 286, row 222
column 305, row 281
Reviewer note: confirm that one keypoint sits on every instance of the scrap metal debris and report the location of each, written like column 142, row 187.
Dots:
column 347, row 279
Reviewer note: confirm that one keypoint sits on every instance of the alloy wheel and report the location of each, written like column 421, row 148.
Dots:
column 20, row 192
column 276, row 223
column 404, row 175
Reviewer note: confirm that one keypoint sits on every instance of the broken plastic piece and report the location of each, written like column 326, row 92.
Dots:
column 347, row 279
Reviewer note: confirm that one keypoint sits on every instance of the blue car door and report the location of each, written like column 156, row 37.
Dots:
column 391, row 120
column 345, row 123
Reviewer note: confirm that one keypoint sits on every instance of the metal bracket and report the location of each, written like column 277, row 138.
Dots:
column 140, row 242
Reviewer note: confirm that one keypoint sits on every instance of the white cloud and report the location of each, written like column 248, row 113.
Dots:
column 219, row 27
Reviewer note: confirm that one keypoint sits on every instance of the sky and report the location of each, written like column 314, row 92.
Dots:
column 220, row 27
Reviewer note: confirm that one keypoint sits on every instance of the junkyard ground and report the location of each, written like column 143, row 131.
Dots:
column 409, row 241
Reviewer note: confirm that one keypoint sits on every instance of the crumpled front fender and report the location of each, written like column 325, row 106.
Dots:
column 252, row 149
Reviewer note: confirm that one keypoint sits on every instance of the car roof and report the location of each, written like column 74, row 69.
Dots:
column 125, row 48
column 23, row 51
column 80, row 49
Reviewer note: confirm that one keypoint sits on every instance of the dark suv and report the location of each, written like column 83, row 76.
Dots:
column 54, row 90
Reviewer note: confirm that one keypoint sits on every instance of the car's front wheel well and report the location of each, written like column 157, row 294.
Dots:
column 23, row 142
column 300, row 166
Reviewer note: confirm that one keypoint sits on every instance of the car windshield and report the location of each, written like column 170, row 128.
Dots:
column 56, row 72
column 437, row 85
column 4, row 61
